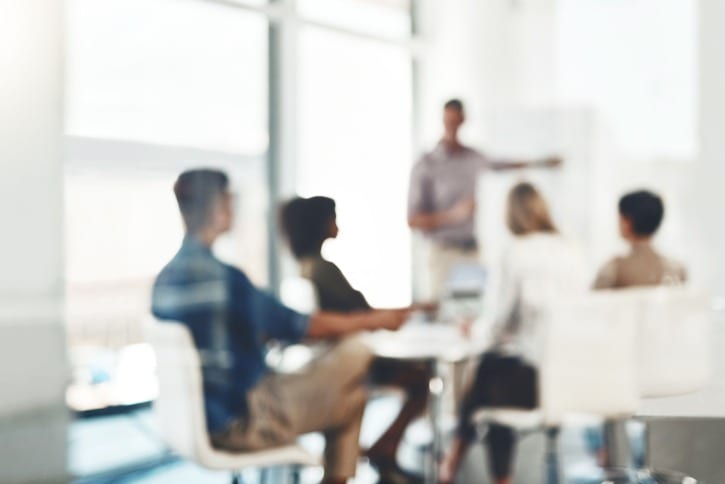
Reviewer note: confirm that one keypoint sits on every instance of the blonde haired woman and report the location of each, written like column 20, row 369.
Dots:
column 539, row 264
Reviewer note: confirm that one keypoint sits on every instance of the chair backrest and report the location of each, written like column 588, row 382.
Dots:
column 588, row 365
column 299, row 294
column 673, row 349
column 179, row 407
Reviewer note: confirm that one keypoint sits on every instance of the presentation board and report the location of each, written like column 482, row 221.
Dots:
column 532, row 135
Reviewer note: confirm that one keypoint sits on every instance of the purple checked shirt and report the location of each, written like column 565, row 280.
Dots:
column 439, row 180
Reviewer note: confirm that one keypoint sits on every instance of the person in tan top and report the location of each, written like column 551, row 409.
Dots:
column 640, row 215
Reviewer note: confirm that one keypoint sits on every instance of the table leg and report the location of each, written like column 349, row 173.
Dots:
column 616, row 443
column 436, row 386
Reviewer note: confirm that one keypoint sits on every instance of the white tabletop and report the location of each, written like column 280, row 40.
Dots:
column 426, row 341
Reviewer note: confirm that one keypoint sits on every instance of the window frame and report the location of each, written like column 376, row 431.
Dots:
column 284, row 25
column 284, row 22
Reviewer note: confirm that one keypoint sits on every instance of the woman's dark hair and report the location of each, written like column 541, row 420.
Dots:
column 306, row 224
column 644, row 210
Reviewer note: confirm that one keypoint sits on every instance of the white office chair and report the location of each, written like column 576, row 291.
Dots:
column 674, row 336
column 587, row 369
column 673, row 349
column 179, row 409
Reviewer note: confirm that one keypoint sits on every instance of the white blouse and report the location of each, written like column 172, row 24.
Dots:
column 534, row 270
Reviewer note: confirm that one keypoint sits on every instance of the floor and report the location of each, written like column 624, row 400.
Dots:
column 126, row 448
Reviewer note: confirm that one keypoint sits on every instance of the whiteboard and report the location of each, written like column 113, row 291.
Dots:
column 532, row 134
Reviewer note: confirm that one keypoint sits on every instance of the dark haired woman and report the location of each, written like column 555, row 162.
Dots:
column 307, row 224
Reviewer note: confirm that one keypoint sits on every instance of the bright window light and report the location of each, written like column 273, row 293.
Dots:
column 355, row 146
column 168, row 72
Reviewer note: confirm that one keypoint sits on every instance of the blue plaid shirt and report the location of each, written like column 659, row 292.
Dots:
column 230, row 321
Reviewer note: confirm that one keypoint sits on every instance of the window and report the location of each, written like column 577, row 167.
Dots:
column 154, row 87
column 158, row 86
column 141, row 108
column 169, row 73
column 355, row 146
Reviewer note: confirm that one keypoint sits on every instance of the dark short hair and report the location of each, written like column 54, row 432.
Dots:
column 644, row 210
column 456, row 104
column 196, row 191
column 306, row 224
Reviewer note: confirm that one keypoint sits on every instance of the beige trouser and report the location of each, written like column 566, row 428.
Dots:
column 441, row 261
column 329, row 396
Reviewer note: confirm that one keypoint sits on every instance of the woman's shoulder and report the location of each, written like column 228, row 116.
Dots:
column 318, row 267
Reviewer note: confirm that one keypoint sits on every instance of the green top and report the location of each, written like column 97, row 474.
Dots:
column 334, row 292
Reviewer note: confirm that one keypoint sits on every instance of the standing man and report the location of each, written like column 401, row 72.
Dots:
column 442, row 197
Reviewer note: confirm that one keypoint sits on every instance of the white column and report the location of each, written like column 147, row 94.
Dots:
column 711, row 167
column 33, row 369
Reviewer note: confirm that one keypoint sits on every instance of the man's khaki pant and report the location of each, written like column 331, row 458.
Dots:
column 441, row 262
column 329, row 396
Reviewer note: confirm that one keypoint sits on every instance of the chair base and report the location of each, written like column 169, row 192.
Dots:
column 608, row 476
column 267, row 475
column 656, row 476
column 631, row 476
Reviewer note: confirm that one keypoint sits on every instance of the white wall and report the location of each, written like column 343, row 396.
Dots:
column 450, row 66
column 506, row 58
column 33, row 371
column 710, row 170
column 497, row 54
column 492, row 54
column 695, row 446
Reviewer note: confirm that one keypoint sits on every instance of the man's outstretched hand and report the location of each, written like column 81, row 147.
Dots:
column 552, row 162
